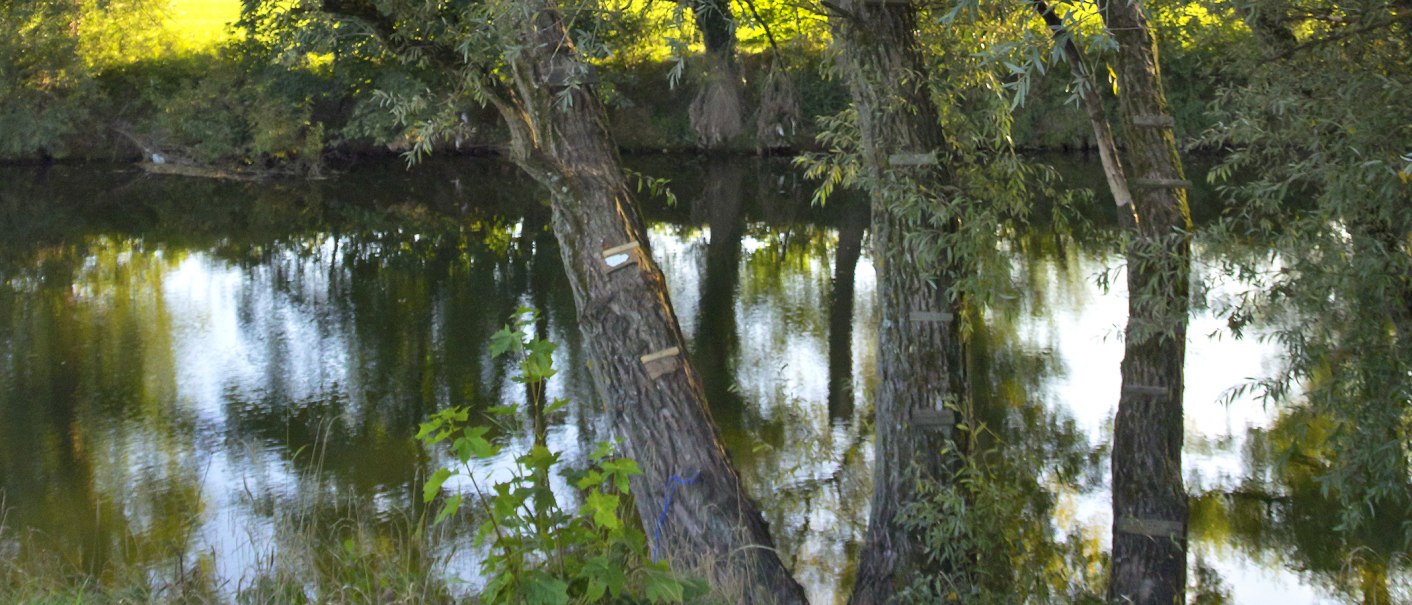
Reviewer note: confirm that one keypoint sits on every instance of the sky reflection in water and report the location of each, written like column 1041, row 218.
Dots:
column 183, row 360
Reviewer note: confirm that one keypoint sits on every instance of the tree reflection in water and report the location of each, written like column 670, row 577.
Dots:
column 209, row 379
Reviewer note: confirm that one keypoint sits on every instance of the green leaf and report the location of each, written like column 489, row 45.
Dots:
column 474, row 444
column 622, row 470
column 539, row 457
column 433, row 484
column 663, row 586
column 503, row 341
column 605, row 509
column 541, row 347
column 543, row 589
column 427, row 428
column 539, row 363
column 496, row 588
column 589, row 479
column 604, row 448
column 452, row 505
column 607, row 572
column 595, row 590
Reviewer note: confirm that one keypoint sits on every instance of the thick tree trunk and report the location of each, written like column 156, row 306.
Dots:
column 1149, row 500
column 639, row 363
column 717, row 112
column 919, row 354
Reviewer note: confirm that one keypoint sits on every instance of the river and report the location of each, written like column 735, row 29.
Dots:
column 221, row 380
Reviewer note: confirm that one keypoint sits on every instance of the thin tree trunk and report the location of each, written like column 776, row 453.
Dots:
column 658, row 407
column 1149, row 499
column 919, row 360
column 1095, row 111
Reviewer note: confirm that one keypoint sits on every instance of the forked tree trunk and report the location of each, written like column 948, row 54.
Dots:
column 1095, row 111
column 919, row 353
column 639, row 363
column 1149, row 500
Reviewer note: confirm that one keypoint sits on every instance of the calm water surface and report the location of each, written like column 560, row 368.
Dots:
column 183, row 363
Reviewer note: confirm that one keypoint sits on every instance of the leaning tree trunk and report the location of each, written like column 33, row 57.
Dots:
column 688, row 495
column 717, row 112
column 919, row 354
column 1095, row 111
column 1149, row 500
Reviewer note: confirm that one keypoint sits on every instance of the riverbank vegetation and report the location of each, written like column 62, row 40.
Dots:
column 207, row 84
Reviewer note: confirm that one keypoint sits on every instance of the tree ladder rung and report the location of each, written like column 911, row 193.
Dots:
column 1154, row 528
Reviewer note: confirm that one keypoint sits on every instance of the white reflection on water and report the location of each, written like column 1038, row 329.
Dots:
column 1082, row 325
column 808, row 473
column 279, row 335
column 283, row 334
column 803, row 474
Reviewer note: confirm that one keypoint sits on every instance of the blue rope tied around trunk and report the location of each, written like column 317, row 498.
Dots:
column 672, row 483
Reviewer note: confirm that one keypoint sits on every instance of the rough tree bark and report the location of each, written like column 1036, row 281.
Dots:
column 657, row 405
column 919, row 353
column 638, row 357
column 1149, row 499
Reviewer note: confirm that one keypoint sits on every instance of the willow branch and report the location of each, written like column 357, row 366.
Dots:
column 1094, row 109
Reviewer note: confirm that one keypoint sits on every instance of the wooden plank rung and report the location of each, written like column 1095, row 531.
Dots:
column 618, row 257
column 931, row 316
column 1154, row 528
column 1163, row 183
column 1154, row 121
column 663, row 354
column 911, row 158
column 661, row 362
column 938, row 419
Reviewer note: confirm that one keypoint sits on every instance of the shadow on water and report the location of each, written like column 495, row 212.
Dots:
column 183, row 363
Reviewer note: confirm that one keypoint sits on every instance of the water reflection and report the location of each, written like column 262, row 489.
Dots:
column 213, row 376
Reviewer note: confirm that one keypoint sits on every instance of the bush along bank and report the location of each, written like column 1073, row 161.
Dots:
column 240, row 112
